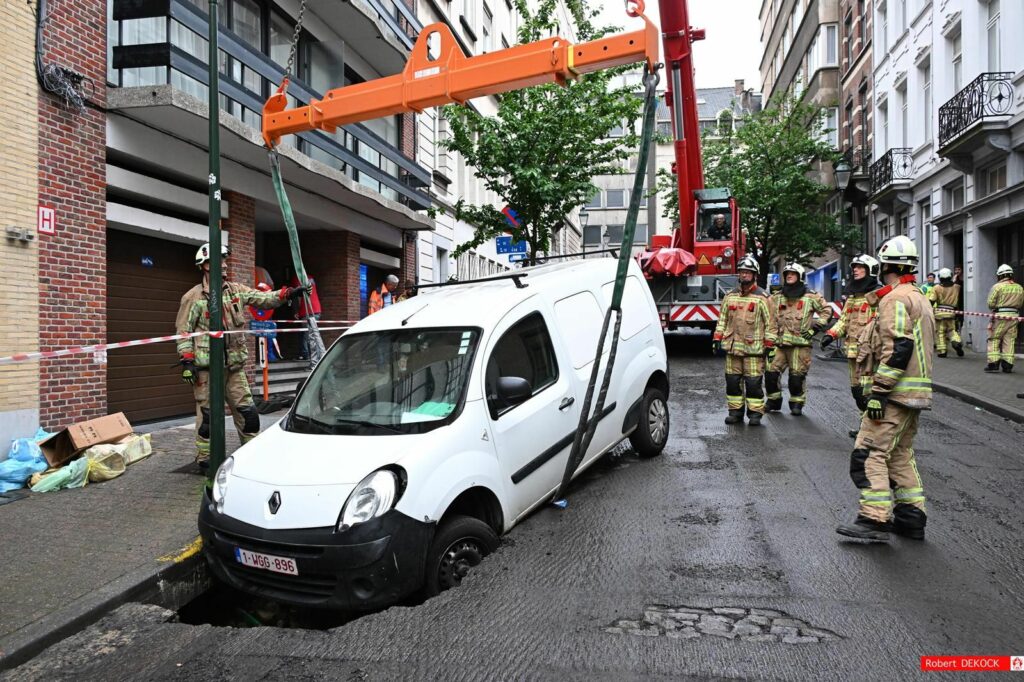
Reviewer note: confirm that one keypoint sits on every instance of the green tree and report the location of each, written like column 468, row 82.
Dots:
column 771, row 165
column 546, row 143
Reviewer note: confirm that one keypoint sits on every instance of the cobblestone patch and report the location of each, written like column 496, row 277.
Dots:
column 727, row 622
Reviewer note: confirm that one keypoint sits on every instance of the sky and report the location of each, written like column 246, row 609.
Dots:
column 732, row 48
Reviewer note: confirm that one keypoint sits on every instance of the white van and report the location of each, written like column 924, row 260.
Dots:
column 429, row 429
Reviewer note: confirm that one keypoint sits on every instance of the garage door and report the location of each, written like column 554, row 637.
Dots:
column 146, row 278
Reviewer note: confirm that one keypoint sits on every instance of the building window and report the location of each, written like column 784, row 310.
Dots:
column 953, row 196
column 831, row 45
column 883, row 128
column 595, row 200
column 848, row 41
column 991, row 180
column 901, row 16
column 592, row 235
column 957, row 61
column 617, row 131
column 904, row 102
column 862, row 107
column 485, row 44
column 902, row 224
column 993, row 35
column 883, row 29
column 613, row 234
column 883, row 229
column 442, row 265
column 848, row 124
column 861, row 21
column 830, row 126
column 616, row 198
column 924, row 216
column 926, row 101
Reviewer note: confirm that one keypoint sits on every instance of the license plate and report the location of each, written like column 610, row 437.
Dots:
column 277, row 564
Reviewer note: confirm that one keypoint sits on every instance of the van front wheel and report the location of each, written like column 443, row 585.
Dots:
column 651, row 434
column 461, row 542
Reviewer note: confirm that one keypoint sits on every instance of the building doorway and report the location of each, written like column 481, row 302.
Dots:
column 1010, row 250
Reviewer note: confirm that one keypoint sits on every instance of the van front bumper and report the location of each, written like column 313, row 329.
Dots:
column 371, row 565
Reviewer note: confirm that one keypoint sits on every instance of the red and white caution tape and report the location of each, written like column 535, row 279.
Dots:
column 318, row 321
column 101, row 347
column 1001, row 316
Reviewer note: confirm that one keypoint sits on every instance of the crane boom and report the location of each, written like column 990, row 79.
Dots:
column 446, row 75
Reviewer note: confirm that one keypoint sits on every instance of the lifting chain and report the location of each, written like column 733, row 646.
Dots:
column 295, row 40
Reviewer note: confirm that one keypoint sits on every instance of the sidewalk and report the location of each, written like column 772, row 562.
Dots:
column 73, row 555
column 965, row 379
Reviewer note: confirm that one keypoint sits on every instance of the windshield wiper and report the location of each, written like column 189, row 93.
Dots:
column 363, row 422
column 322, row 427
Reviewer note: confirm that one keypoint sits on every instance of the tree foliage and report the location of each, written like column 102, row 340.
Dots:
column 771, row 165
column 541, row 151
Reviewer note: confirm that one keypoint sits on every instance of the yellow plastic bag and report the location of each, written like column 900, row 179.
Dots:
column 104, row 463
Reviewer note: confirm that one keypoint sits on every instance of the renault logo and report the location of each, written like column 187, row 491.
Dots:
column 275, row 502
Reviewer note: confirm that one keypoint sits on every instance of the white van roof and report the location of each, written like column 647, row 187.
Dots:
column 483, row 304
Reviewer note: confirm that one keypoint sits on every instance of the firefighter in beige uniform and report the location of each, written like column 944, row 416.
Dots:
column 896, row 350
column 194, row 353
column 857, row 312
column 742, row 335
column 1005, row 301
column 792, row 326
column 945, row 296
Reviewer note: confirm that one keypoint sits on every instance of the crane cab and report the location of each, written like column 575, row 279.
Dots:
column 718, row 241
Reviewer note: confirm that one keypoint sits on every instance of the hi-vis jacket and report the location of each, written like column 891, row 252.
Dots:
column 792, row 317
column 743, row 325
column 194, row 316
column 1006, row 298
column 896, row 346
column 857, row 312
column 945, row 299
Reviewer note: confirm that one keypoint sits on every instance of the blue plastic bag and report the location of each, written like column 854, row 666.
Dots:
column 25, row 459
column 27, row 449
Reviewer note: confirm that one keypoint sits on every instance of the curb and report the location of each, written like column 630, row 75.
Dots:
column 171, row 584
column 981, row 401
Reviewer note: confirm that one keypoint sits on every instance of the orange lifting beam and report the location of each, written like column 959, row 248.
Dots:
column 449, row 76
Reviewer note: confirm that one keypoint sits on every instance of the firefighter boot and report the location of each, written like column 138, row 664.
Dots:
column 1007, row 366
column 909, row 521
column 958, row 347
column 992, row 367
column 940, row 354
column 864, row 528
column 797, row 397
column 774, row 391
column 735, row 416
column 754, row 418
column 734, row 398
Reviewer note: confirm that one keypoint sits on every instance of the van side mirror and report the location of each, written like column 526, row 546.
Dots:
column 514, row 390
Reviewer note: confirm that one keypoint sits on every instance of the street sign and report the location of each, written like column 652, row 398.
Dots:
column 506, row 245
column 773, row 279
column 516, row 257
column 46, row 222
column 511, row 217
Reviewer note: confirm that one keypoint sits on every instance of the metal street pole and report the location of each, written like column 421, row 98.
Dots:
column 216, row 265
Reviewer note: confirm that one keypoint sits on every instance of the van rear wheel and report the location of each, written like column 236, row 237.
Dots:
column 651, row 434
column 461, row 542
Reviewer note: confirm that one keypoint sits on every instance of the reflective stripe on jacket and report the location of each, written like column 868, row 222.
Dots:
column 1006, row 297
column 743, row 325
column 791, row 318
column 897, row 346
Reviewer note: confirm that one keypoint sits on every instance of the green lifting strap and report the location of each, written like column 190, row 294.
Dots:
column 316, row 345
column 588, row 423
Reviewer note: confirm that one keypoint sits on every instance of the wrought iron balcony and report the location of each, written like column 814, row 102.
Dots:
column 859, row 160
column 987, row 96
column 895, row 165
column 175, row 54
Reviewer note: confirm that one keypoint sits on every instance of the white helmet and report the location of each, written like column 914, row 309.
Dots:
column 1004, row 270
column 797, row 268
column 899, row 251
column 203, row 254
column 945, row 273
column 748, row 262
column 867, row 262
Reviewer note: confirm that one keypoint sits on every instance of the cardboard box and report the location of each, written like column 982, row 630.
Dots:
column 59, row 448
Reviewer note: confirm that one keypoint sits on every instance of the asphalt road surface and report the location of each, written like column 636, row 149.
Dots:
column 716, row 560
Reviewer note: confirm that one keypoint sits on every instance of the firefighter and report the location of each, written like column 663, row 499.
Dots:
column 896, row 351
column 742, row 334
column 857, row 312
column 792, row 326
column 383, row 297
column 1006, row 299
column 945, row 296
column 194, row 353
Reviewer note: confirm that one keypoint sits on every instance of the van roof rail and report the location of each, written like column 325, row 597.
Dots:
column 581, row 254
column 514, row 276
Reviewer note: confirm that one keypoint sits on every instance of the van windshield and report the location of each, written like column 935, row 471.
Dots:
column 380, row 383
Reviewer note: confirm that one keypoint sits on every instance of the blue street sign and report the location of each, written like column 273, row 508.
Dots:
column 505, row 245
column 773, row 279
column 511, row 217
column 516, row 257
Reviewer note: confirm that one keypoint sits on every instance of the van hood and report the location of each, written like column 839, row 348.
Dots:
column 285, row 458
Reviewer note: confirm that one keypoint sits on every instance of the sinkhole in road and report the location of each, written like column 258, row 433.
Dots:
column 222, row 606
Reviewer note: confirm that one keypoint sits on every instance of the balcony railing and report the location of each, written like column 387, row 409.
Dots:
column 177, row 55
column 399, row 19
column 859, row 160
column 988, row 95
column 896, row 164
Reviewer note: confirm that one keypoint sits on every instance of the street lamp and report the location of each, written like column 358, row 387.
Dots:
column 842, row 172
column 584, row 219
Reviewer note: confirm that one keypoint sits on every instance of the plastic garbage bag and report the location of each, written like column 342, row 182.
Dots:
column 131, row 449
column 104, row 465
column 73, row 475
column 24, row 459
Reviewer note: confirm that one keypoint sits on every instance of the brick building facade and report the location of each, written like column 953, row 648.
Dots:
column 855, row 118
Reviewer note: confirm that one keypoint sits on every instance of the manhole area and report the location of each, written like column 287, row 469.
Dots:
column 727, row 622
column 221, row 606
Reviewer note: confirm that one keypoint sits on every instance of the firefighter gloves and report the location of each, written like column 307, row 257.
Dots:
column 826, row 340
column 294, row 292
column 188, row 372
column 876, row 406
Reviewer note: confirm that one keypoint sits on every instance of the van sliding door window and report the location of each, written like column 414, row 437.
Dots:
column 524, row 351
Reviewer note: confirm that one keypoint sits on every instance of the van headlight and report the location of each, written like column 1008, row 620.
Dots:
column 220, row 483
column 375, row 495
